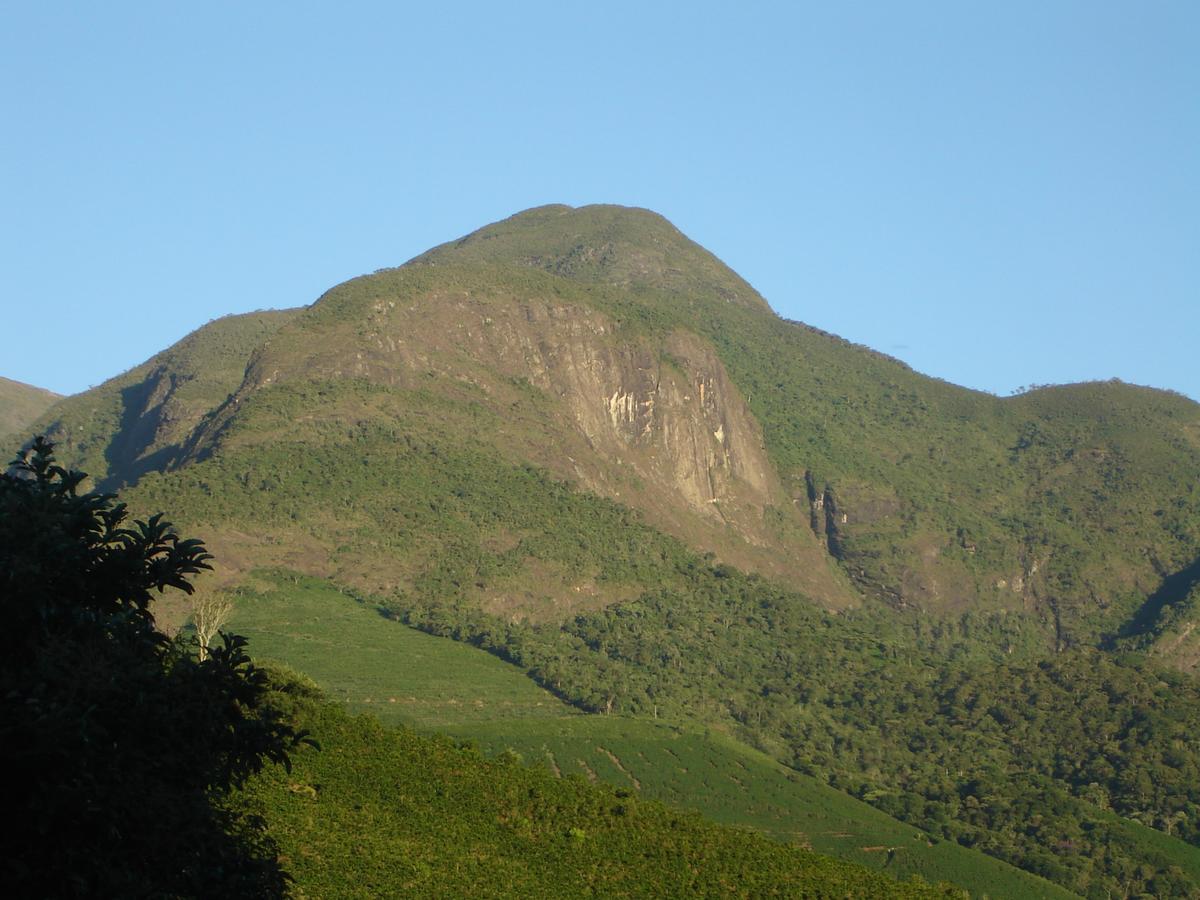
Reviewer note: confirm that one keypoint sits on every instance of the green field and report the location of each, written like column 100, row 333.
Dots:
column 387, row 812
column 371, row 664
column 403, row 676
column 733, row 784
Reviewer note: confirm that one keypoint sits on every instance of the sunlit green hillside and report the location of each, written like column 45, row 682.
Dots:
column 406, row 678
column 381, row 812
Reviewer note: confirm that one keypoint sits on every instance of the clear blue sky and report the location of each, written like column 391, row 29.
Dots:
column 999, row 194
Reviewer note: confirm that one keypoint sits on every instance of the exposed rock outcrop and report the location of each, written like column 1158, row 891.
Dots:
column 653, row 423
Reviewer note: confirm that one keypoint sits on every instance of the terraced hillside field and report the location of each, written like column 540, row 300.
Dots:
column 404, row 677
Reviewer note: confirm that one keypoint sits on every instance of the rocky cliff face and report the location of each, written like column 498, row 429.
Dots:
column 654, row 424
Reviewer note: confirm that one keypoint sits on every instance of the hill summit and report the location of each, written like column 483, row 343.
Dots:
column 616, row 245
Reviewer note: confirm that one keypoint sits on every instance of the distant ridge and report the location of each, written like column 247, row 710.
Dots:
column 137, row 421
column 21, row 404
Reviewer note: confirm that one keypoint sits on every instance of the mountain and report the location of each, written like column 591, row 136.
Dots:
column 577, row 440
column 21, row 404
column 926, row 493
column 604, row 348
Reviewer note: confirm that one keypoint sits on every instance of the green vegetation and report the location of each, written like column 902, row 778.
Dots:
column 602, row 245
column 405, row 677
column 20, row 405
column 403, row 504
column 387, row 812
column 731, row 783
column 950, row 726
column 139, row 421
column 1022, row 565
column 120, row 751
column 370, row 664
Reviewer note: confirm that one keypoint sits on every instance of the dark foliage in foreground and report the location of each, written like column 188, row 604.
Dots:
column 116, row 745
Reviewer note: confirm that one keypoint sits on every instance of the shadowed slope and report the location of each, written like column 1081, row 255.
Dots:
column 136, row 422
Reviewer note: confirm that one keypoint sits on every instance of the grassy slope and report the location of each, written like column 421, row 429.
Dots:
column 21, row 404
column 408, row 678
column 629, row 248
column 385, row 812
column 372, row 664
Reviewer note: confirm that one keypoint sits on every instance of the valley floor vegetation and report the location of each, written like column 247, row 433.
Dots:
column 387, row 812
column 402, row 676
column 1057, row 765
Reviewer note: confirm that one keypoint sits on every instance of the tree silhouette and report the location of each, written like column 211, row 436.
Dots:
column 117, row 745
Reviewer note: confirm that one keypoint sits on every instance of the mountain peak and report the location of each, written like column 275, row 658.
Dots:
column 620, row 245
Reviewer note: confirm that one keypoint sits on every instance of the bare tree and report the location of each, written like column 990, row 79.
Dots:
column 210, row 610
